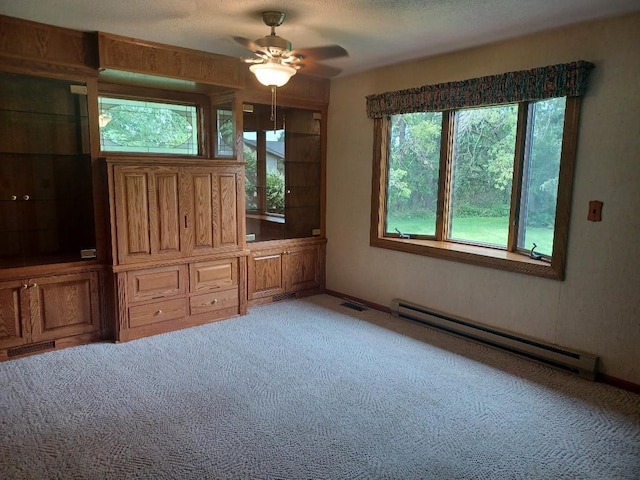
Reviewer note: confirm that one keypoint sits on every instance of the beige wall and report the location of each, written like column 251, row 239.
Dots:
column 597, row 307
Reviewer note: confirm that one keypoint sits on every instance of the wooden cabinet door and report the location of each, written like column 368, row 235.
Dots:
column 148, row 217
column 63, row 306
column 301, row 268
column 265, row 274
column 211, row 209
column 13, row 308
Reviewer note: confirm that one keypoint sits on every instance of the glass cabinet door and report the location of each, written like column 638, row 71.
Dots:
column 283, row 173
column 46, row 200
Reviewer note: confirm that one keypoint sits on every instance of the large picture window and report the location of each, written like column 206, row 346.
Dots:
column 480, row 180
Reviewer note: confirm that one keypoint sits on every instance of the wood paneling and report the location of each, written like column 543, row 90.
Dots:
column 12, row 329
column 156, row 282
column 227, row 209
column 212, row 218
column 64, row 305
column 147, row 210
column 213, row 275
column 210, row 302
column 200, row 224
column 167, row 228
column 302, row 269
column 134, row 55
column 46, row 44
column 135, row 205
column 301, row 91
column 157, row 312
column 288, row 266
column 265, row 275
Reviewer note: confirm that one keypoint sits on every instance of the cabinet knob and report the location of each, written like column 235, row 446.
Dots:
column 33, row 285
column 25, row 286
column 214, row 301
column 13, row 197
column 159, row 312
column 26, row 197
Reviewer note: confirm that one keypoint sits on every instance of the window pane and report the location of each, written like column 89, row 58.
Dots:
column 414, row 166
column 483, row 158
column 147, row 127
column 540, row 175
column 251, row 170
column 275, row 171
column 225, row 133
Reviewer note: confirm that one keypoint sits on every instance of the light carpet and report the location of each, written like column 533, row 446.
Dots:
column 308, row 389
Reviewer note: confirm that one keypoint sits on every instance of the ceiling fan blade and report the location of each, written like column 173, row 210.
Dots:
column 251, row 45
column 320, row 53
column 319, row 70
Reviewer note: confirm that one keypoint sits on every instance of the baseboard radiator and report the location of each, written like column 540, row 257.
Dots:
column 579, row 363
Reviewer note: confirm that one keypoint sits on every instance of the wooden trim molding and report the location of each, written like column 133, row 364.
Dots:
column 139, row 56
column 49, row 46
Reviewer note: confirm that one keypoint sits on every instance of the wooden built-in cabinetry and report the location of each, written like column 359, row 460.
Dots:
column 178, row 256
column 174, row 211
column 282, row 270
column 50, row 277
column 285, row 230
column 43, row 313
column 132, row 246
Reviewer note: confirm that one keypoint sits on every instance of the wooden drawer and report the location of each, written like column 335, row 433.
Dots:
column 210, row 302
column 213, row 275
column 156, row 282
column 157, row 312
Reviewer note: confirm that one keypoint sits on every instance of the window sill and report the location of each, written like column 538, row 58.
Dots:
column 267, row 217
column 474, row 255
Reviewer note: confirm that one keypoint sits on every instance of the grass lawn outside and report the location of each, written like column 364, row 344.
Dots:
column 491, row 230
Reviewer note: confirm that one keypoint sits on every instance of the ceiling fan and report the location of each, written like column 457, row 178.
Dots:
column 276, row 62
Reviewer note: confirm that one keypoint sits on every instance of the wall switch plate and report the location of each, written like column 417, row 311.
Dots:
column 595, row 211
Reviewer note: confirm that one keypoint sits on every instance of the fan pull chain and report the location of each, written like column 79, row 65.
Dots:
column 273, row 108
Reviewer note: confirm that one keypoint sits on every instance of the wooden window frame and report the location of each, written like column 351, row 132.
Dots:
column 510, row 259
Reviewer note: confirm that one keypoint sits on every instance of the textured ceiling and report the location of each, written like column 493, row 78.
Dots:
column 374, row 32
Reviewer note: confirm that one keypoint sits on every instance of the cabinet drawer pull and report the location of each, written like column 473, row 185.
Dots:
column 25, row 286
column 159, row 312
column 26, row 197
column 33, row 285
column 212, row 302
column 13, row 197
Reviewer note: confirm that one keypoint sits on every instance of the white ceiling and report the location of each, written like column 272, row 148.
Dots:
column 374, row 32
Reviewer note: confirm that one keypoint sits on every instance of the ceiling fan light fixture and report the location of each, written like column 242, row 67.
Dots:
column 272, row 74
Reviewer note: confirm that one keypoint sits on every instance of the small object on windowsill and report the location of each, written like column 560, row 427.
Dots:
column 403, row 235
column 533, row 254
column 88, row 253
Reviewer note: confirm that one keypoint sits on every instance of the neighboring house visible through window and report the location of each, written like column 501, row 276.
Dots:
column 479, row 171
column 264, row 153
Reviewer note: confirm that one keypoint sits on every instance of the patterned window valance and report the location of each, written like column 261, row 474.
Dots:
column 564, row 80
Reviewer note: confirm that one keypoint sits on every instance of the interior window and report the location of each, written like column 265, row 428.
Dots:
column 139, row 126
